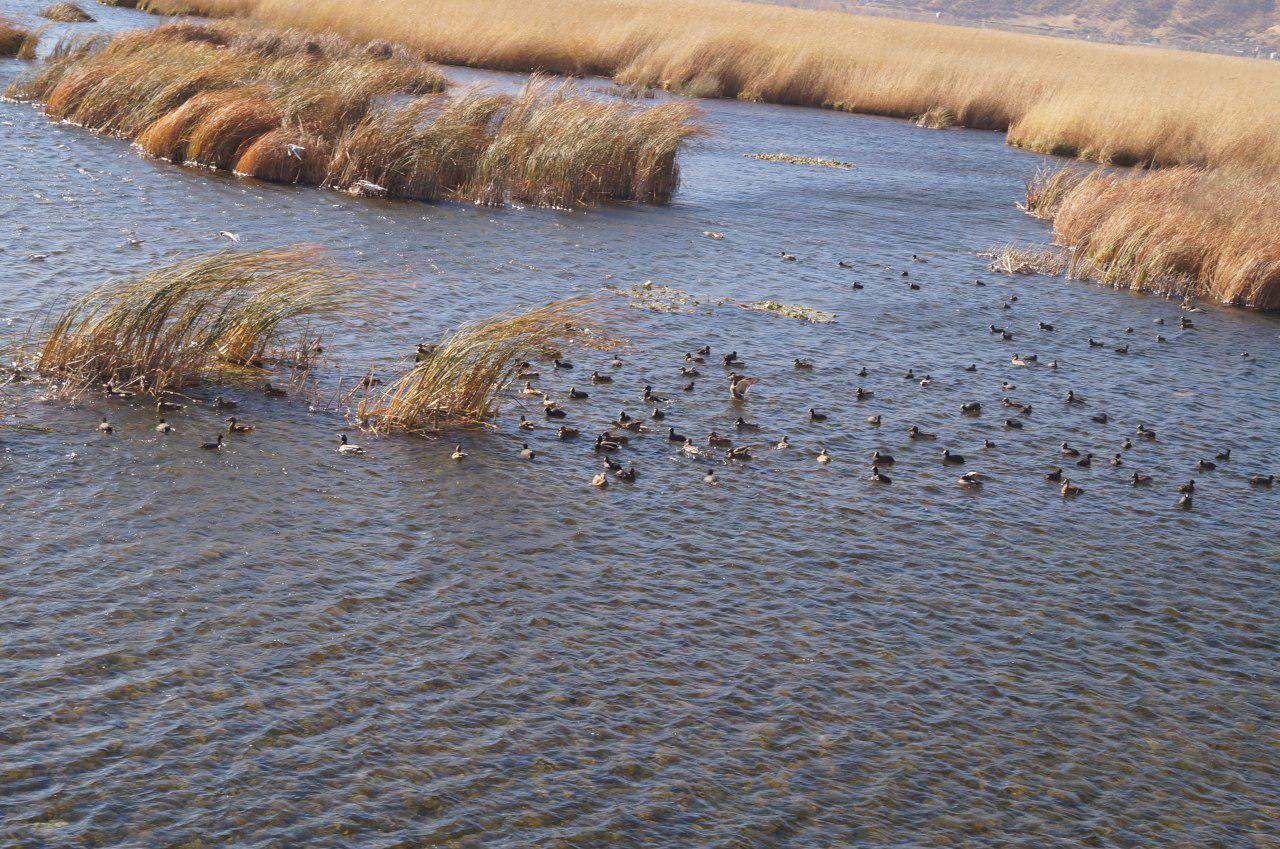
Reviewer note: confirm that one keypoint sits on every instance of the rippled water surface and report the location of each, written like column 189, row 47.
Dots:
column 280, row 647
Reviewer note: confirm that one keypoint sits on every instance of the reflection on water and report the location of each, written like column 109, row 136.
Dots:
column 278, row 646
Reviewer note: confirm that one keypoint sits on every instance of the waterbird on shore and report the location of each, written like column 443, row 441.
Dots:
column 365, row 188
column 458, row 453
column 1070, row 490
column 344, row 446
column 233, row 426
column 105, row 426
column 916, row 433
column 823, row 457
column 164, row 427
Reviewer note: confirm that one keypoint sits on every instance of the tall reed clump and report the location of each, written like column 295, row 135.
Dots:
column 67, row 13
column 171, row 327
column 12, row 38
column 461, row 382
column 1211, row 233
column 318, row 109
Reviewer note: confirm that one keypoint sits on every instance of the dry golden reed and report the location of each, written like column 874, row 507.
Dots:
column 171, row 327
column 461, row 382
column 1096, row 101
column 299, row 108
column 1211, row 233
column 12, row 38
column 67, row 13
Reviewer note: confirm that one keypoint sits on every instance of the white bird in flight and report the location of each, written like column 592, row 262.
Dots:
column 296, row 151
column 227, row 234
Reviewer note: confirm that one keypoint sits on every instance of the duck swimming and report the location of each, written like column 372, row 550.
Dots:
column 862, row 394
column 952, row 459
column 1206, row 466
column 628, row 474
column 216, row 445
column 970, row 480
column 602, row 444
column 1068, row 451
column 672, row 436
column 878, row 459
column 971, row 408
column 566, row 432
column 1085, row 462
column 344, row 447
column 782, row 445
column 1070, row 490
column 577, row 394
column 525, row 424
column 597, row 377
column 1185, row 502
column 164, row 427
column 743, row 424
column 803, row 365
column 458, row 453
column 105, row 426
column 739, row 454
column 690, row 449
column 815, row 416
column 715, row 440
column 879, row 477
column 1013, row 424
column 526, row 452
column 562, row 364
column 529, row 390
column 234, row 426
column 1054, row 475
column 600, row 481
column 1188, row 487
column 220, row 403
column 1072, row 398
column 1260, row 480
column 738, row 386
column 823, row 457
column 874, row 421
column 916, row 433
column 554, row 412
column 1140, row 480
column 169, row 406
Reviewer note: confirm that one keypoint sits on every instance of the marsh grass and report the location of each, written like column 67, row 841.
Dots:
column 1015, row 259
column 174, row 326
column 67, row 13
column 461, row 384
column 937, row 118
column 318, row 109
column 12, row 38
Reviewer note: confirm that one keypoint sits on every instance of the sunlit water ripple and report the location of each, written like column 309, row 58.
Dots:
column 280, row 647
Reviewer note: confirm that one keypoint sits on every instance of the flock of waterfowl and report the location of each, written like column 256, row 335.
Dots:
column 693, row 365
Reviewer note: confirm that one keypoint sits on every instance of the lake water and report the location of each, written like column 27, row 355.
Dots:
column 277, row 646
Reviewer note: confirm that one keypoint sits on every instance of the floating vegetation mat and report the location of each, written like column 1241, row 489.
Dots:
column 800, row 160
column 68, row 13
column 656, row 298
column 369, row 119
column 796, row 311
column 1012, row 259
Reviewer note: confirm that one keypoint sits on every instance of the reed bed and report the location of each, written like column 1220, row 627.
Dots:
column 1210, row 233
column 298, row 108
column 13, row 38
column 461, row 383
column 67, row 13
column 174, row 326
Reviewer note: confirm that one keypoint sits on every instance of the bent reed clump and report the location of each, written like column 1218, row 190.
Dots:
column 1209, row 233
column 66, row 13
column 460, row 383
column 15, row 41
column 321, row 110
column 172, row 327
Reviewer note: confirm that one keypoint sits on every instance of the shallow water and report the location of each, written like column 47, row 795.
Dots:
column 277, row 646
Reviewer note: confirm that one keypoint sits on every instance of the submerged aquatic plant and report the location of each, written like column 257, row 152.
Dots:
column 462, row 380
column 170, row 327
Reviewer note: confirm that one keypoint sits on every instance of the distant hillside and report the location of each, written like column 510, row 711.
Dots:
column 1235, row 26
